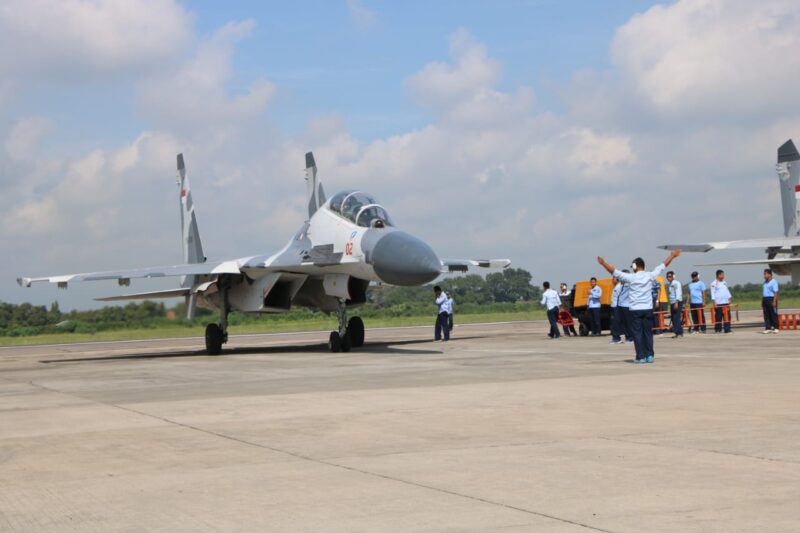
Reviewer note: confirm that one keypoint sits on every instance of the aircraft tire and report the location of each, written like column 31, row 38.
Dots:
column 583, row 329
column 335, row 342
column 347, row 342
column 213, row 339
column 355, row 329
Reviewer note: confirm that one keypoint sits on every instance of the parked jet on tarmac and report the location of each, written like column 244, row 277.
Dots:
column 783, row 253
column 347, row 242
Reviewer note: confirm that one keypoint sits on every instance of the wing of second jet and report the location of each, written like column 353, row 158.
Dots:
column 774, row 242
column 464, row 265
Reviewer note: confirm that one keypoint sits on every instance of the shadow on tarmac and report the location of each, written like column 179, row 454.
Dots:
column 382, row 348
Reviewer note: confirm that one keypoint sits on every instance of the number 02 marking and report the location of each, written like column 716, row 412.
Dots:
column 348, row 248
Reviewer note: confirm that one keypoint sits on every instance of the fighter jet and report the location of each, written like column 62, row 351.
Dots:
column 348, row 241
column 783, row 253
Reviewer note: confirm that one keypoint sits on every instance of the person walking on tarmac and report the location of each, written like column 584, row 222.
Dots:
column 452, row 305
column 552, row 302
column 675, row 290
column 442, row 314
column 697, row 301
column 722, row 303
column 623, row 309
column 641, row 302
column 595, row 293
column 769, row 302
column 616, row 322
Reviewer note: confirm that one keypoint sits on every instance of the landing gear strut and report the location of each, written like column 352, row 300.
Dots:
column 217, row 334
column 350, row 333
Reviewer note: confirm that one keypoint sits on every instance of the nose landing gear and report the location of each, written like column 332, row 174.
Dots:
column 350, row 333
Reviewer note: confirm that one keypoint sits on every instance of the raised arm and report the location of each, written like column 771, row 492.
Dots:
column 609, row 267
column 673, row 254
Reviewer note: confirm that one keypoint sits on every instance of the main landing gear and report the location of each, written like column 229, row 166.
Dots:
column 350, row 333
column 217, row 334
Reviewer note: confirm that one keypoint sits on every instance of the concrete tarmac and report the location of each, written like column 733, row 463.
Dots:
column 498, row 429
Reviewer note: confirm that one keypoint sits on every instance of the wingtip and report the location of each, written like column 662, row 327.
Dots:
column 24, row 282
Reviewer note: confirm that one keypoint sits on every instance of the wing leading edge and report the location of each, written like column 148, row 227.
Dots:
column 776, row 242
column 464, row 265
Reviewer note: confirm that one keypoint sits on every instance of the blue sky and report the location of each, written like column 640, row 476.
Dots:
column 544, row 131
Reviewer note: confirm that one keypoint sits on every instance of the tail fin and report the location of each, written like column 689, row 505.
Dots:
column 192, row 246
column 316, row 194
column 788, row 169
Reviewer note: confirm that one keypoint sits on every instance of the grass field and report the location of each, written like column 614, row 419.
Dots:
column 283, row 326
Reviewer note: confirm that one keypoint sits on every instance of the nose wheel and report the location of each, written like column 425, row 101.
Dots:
column 350, row 333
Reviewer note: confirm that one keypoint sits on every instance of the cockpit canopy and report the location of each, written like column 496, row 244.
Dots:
column 360, row 208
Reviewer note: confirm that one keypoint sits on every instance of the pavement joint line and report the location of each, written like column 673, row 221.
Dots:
column 705, row 450
column 327, row 463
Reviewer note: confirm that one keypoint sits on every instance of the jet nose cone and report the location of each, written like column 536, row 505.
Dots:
column 401, row 259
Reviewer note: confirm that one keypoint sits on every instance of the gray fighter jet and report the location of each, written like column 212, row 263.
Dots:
column 783, row 253
column 348, row 241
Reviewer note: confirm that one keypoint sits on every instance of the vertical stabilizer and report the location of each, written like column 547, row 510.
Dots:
column 190, row 234
column 788, row 169
column 315, row 192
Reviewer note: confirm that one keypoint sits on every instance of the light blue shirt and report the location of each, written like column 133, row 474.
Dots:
column 640, row 287
column 594, row 297
column 615, row 294
column 696, row 290
column 770, row 288
column 675, row 291
column 624, row 299
column 720, row 292
column 550, row 299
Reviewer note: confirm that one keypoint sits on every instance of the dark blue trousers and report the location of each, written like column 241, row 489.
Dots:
column 641, row 326
column 594, row 312
column 616, row 323
column 719, row 317
column 552, row 316
column 770, row 313
column 442, row 325
column 625, row 322
column 698, row 317
column 676, row 312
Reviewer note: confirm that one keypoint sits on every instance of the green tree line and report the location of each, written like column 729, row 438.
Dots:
column 507, row 291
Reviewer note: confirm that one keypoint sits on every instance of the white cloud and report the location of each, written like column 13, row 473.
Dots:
column 440, row 85
column 25, row 135
column 196, row 96
column 712, row 55
column 70, row 39
column 362, row 16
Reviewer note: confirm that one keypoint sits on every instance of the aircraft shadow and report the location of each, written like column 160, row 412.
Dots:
column 380, row 347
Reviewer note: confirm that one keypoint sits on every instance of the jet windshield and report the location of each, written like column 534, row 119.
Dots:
column 360, row 208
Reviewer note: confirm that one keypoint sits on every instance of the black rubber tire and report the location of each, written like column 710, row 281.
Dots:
column 583, row 329
column 213, row 339
column 335, row 342
column 347, row 342
column 355, row 328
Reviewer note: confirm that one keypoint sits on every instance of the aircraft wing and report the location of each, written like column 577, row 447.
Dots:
column 464, row 265
column 781, row 261
column 208, row 268
column 776, row 242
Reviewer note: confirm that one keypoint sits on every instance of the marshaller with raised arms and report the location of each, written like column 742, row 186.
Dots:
column 347, row 242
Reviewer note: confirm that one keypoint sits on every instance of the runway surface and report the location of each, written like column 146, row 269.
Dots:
column 499, row 429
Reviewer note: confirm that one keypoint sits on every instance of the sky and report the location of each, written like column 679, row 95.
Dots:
column 548, row 132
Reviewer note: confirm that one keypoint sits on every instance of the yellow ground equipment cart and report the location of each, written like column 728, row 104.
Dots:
column 580, row 299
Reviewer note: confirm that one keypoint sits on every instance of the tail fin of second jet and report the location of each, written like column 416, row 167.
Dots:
column 192, row 246
column 788, row 169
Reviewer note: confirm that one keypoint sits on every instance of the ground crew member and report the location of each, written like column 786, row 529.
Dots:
column 595, row 293
column 655, row 293
column 452, row 304
column 675, row 290
column 623, row 308
column 442, row 314
column 552, row 302
column 722, row 303
column 616, row 337
column 697, row 301
column 769, row 302
column 641, row 302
